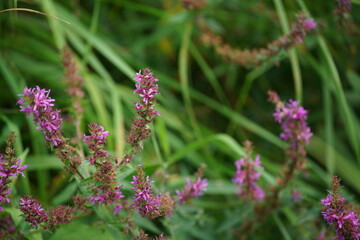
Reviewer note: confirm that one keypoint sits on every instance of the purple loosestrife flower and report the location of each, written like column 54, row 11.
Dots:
column 51, row 219
column 109, row 196
column 36, row 101
column 192, row 190
column 296, row 131
column 9, row 167
column 145, row 202
column 32, row 211
column 106, row 189
column 246, row 175
column 308, row 24
column 96, row 142
column 147, row 89
column 345, row 222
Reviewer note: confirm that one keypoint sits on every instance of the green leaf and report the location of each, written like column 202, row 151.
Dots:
column 76, row 230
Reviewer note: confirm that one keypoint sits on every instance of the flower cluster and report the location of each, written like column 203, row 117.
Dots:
column 96, row 142
column 336, row 214
column 296, row 131
column 35, row 215
column 254, row 57
column 9, row 167
column 58, row 216
column 147, row 89
column 36, row 101
column 32, row 211
column 192, row 190
column 246, row 175
column 145, row 202
column 106, row 189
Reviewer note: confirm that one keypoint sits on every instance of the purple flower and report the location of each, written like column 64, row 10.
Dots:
column 145, row 202
column 327, row 201
column 295, row 130
column 247, row 175
column 9, row 167
column 118, row 207
column 147, row 89
column 32, row 211
column 336, row 214
column 308, row 24
column 36, row 101
column 192, row 190
column 4, row 193
column 96, row 142
column 108, row 197
column 6, row 171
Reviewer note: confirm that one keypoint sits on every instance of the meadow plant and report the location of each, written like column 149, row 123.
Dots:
column 103, row 184
column 247, row 175
column 296, row 133
column 145, row 201
column 147, row 89
column 192, row 190
column 113, row 188
column 339, row 215
column 36, row 102
column 9, row 169
column 254, row 57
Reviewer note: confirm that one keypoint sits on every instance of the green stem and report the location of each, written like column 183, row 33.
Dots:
column 295, row 66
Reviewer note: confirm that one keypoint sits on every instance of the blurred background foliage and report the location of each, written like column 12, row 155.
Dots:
column 209, row 105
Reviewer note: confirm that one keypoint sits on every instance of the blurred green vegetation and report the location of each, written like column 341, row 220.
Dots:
column 209, row 105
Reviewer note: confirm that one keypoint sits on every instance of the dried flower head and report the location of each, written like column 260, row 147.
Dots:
column 74, row 81
column 58, row 216
column 253, row 57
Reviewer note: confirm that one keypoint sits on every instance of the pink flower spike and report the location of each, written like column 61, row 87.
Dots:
column 309, row 24
column 118, row 207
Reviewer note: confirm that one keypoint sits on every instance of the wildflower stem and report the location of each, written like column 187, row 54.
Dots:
column 295, row 66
